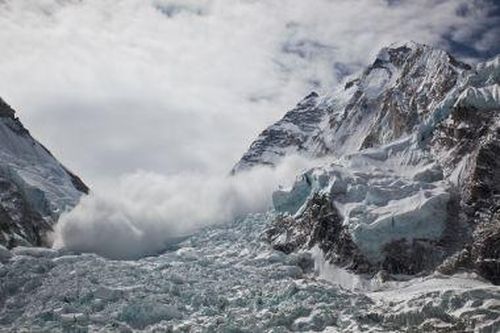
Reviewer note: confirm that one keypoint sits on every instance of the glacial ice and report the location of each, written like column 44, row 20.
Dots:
column 384, row 194
column 421, row 216
column 226, row 279
column 484, row 98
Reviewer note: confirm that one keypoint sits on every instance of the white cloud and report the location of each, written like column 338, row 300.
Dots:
column 168, row 85
column 146, row 212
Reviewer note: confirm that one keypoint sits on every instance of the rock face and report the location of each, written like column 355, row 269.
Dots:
column 412, row 178
column 297, row 132
column 34, row 187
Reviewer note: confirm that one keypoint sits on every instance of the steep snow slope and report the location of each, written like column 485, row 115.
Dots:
column 34, row 187
column 294, row 133
column 390, row 99
column 412, row 174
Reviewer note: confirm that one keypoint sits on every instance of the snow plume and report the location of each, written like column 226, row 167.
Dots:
column 146, row 212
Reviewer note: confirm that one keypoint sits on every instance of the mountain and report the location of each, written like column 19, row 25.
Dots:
column 411, row 181
column 34, row 187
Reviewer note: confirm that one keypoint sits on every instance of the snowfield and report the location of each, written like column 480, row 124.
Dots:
column 226, row 279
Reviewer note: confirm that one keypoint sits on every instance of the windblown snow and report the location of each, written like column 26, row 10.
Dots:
column 146, row 212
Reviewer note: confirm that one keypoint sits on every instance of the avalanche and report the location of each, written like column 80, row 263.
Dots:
column 404, row 189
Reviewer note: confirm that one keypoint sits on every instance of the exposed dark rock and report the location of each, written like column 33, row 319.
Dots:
column 405, row 257
column 18, row 217
column 486, row 250
column 351, row 84
column 78, row 182
column 297, row 127
column 319, row 225
column 34, row 187
column 6, row 110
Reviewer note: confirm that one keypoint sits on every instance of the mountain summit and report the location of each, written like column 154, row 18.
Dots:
column 34, row 187
column 412, row 181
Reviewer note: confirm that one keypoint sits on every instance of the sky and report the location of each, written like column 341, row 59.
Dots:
column 116, row 87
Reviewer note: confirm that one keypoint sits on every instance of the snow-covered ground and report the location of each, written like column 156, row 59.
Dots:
column 226, row 279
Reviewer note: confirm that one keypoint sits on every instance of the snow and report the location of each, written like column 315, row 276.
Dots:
column 421, row 216
column 487, row 72
column 225, row 279
column 376, row 82
column 42, row 180
column 5, row 254
column 37, row 252
column 484, row 98
column 445, row 297
column 385, row 194
column 397, row 189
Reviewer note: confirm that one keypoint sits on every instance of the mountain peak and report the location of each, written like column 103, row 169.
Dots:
column 412, row 149
column 6, row 110
column 399, row 53
column 386, row 101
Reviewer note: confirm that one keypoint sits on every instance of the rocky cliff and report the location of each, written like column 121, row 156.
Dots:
column 34, row 187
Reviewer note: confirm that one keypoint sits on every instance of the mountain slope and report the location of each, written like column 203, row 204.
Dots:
column 34, row 187
column 387, row 101
column 412, row 180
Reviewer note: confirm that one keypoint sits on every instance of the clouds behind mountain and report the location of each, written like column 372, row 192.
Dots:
column 168, row 85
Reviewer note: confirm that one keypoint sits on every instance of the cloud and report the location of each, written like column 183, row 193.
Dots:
column 147, row 212
column 179, row 88
column 113, row 86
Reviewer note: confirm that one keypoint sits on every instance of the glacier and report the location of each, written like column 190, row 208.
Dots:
column 226, row 278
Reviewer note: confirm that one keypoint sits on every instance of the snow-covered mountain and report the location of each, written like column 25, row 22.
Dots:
column 412, row 178
column 34, row 187
column 407, row 182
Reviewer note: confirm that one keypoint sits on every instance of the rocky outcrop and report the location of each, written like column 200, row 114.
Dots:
column 295, row 133
column 319, row 225
column 34, row 187
column 486, row 250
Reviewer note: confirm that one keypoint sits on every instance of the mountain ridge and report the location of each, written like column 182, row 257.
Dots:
column 35, row 188
column 412, row 148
